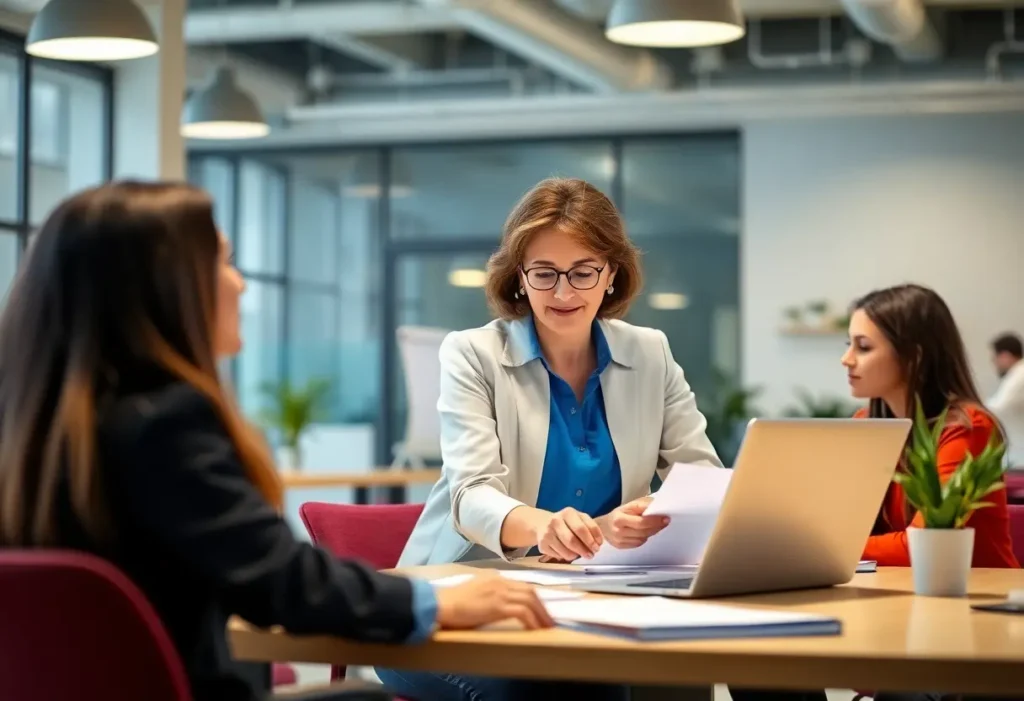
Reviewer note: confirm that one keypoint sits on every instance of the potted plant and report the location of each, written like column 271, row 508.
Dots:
column 292, row 410
column 811, row 407
column 818, row 313
column 795, row 317
column 727, row 414
column 941, row 551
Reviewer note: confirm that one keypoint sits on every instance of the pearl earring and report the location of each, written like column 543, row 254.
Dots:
column 610, row 289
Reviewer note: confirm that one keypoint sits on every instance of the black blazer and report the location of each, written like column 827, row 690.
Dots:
column 203, row 544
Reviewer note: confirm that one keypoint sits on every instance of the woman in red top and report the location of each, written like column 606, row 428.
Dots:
column 905, row 344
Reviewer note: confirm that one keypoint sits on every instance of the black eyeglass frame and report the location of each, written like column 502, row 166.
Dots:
column 559, row 273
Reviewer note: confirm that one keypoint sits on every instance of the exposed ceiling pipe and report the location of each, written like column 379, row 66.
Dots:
column 902, row 24
column 515, row 78
column 242, row 24
column 593, row 10
column 1010, row 45
column 548, row 37
column 826, row 55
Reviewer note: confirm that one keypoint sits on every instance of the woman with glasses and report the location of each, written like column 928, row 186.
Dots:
column 555, row 417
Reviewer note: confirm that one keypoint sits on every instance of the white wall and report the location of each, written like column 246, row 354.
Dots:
column 833, row 208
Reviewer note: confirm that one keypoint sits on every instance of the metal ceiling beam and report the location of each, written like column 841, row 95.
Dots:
column 242, row 24
column 575, row 115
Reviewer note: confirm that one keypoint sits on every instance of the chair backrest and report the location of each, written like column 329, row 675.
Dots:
column 419, row 347
column 74, row 626
column 1017, row 530
column 1014, row 480
column 373, row 533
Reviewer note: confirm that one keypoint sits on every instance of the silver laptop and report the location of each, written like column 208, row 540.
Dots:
column 798, row 510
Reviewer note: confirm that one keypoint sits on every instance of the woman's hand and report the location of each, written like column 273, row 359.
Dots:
column 567, row 535
column 627, row 527
column 490, row 598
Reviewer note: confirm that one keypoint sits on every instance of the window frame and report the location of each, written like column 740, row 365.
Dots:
column 14, row 44
column 392, row 249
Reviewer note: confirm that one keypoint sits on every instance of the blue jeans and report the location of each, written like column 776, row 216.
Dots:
column 430, row 686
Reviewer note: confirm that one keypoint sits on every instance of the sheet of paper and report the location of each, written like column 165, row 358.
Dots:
column 648, row 612
column 452, row 580
column 543, row 593
column 691, row 497
column 545, row 577
column 691, row 489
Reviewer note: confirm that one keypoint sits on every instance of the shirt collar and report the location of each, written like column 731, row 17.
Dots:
column 522, row 345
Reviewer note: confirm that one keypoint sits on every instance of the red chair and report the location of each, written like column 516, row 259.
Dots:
column 1014, row 480
column 374, row 533
column 283, row 674
column 71, row 618
column 1017, row 530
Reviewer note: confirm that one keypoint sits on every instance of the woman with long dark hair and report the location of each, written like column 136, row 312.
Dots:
column 117, row 438
column 904, row 344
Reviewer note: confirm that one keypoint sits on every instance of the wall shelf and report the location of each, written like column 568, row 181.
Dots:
column 812, row 331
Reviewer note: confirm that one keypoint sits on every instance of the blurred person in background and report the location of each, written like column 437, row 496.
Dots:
column 1008, row 401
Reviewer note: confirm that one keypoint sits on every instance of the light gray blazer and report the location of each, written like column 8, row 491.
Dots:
column 494, row 409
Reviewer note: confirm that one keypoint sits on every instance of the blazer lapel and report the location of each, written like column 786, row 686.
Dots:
column 619, row 385
column 622, row 406
column 533, row 408
column 531, row 387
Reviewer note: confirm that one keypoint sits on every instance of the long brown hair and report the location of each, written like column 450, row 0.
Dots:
column 585, row 213
column 121, row 280
column 930, row 352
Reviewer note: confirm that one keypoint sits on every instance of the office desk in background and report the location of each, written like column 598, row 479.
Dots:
column 891, row 640
column 361, row 482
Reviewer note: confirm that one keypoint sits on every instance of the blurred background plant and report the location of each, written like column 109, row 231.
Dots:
column 811, row 407
column 727, row 414
column 291, row 411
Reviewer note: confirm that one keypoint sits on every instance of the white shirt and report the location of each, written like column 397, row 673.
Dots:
column 1008, row 406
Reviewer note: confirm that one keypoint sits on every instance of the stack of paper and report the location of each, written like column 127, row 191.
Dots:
column 659, row 618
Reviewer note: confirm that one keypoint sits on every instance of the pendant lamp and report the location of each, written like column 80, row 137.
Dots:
column 674, row 23
column 222, row 110
column 100, row 30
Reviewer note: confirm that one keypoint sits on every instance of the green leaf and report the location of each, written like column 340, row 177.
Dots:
column 949, row 504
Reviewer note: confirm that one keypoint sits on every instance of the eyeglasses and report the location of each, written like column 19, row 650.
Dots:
column 581, row 277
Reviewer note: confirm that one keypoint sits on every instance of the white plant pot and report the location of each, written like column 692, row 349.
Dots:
column 941, row 560
column 288, row 459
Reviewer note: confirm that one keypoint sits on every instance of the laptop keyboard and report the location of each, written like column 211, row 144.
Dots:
column 678, row 583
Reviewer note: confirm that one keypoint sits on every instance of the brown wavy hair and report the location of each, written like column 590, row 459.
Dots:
column 120, row 280
column 585, row 213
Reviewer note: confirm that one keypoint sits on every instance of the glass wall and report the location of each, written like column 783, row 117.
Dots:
column 377, row 239
column 54, row 140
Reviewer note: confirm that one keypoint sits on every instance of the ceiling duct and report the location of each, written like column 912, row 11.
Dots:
column 902, row 24
column 591, row 10
column 548, row 36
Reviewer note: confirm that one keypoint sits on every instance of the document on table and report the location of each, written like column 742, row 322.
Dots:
column 659, row 618
column 544, row 594
column 691, row 496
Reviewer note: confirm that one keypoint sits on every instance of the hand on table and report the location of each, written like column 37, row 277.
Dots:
column 487, row 599
column 568, row 534
column 627, row 527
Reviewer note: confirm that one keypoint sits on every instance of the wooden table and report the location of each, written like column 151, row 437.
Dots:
column 891, row 640
column 360, row 481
